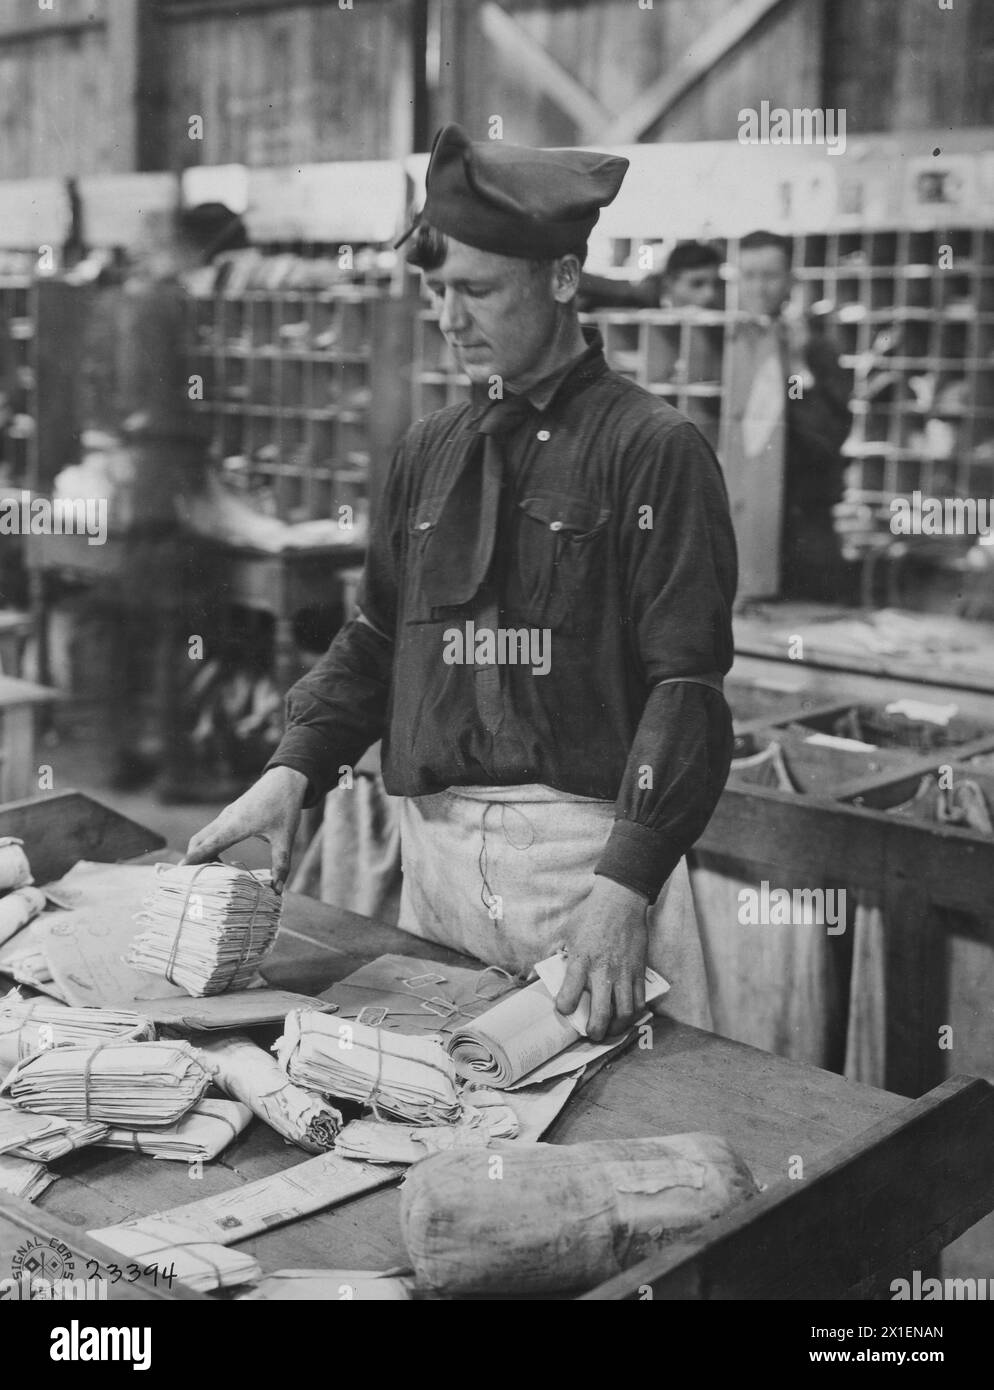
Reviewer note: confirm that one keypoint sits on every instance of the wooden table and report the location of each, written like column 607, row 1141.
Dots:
column 886, row 1182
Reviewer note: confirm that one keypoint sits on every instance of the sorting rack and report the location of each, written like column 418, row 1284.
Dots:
column 287, row 389
column 18, row 325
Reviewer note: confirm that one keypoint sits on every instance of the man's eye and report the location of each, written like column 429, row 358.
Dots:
column 477, row 293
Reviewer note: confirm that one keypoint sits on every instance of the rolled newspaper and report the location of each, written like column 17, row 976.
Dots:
column 15, row 871
column 248, row 1074
column 19, row 908
column 518, row 1034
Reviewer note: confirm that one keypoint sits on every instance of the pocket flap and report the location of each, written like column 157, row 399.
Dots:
column 560, row 511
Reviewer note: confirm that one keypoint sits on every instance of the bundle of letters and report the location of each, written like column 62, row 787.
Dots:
column 27, row 1135
column 31, row 1025
column 202, row 1133
column 206, row 927
column 408, row 1078
column 129, row 1084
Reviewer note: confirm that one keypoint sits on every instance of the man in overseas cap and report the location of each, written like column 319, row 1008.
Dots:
column 545, row 619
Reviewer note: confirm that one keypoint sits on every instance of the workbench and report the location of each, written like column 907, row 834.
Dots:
column 886, row 1182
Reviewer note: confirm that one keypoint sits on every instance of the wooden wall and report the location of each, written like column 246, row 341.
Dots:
column 907, row 65
column 616, row 50
column 286, row 82
column 60, row 110
column 278, row 81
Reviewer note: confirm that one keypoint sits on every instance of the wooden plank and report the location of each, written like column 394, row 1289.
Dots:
column 528, row 59
column 897, row 1195
column 715, row 44
column 58, row 830
column 819, row 841
column 916, row 767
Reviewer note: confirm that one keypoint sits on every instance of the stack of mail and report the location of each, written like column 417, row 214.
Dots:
column 130, row 1084
column 202, row 1133
column 207, row 927
column 408, row 1078
column 31, row 1025
column 23, row 1177
column 41, row 1136
column 77, row 1134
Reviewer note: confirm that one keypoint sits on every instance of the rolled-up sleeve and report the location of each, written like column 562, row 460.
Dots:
column 681, row 577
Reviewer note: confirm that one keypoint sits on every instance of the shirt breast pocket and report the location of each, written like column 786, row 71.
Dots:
column 422, row 522
column 560, row 566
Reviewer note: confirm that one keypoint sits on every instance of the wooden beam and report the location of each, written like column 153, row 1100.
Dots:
column 529, row 59
column 49, row 29
column 714, row 44
column 931, row 1157
column 822, row 842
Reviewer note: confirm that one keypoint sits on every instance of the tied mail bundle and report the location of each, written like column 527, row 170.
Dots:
column 149, row 977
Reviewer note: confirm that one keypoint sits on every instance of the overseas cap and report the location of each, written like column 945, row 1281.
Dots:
column 514, row 200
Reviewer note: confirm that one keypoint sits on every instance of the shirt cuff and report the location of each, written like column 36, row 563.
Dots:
column 638, row 858
column 297, row 750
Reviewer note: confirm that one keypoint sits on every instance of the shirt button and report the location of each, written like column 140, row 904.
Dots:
column 555, row 525
column 424, row 525
column 543, row 435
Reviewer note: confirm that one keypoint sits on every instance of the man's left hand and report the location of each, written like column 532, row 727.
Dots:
column 607, row 941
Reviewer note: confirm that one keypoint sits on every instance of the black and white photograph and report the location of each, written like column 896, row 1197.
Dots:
column 496, row 670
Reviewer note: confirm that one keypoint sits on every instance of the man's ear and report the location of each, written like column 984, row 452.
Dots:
column 565, row 278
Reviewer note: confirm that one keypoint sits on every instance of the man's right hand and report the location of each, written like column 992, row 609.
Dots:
column 269, row 810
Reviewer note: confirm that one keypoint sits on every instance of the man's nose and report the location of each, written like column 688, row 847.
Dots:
column 452, row 316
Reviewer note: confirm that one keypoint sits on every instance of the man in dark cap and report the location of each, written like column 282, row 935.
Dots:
column 545, row 619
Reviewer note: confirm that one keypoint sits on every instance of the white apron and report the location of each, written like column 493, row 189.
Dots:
column 496, row 872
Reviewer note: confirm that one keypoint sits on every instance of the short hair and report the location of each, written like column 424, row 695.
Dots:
column 211, row 228
column 429, row 248
column 759, row 241
column 691, row 255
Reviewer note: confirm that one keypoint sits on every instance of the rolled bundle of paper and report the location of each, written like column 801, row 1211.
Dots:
column 510, row 1040
column 408, row 1078
column 202, row 1133
column 564, row 1217
column 206, row 927
column 17, row 909
column 31, row 1025
column 242, row 1070
column 131, row 1084
column 24, row 1177
column 15, row 871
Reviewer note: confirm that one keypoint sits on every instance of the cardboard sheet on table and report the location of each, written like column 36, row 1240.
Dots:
column 431, row 1006
column 87, row 946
